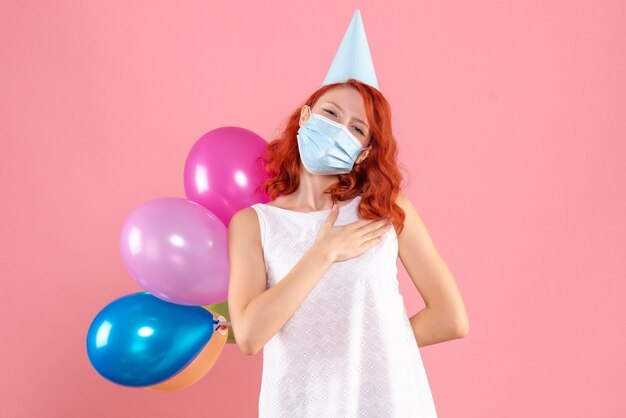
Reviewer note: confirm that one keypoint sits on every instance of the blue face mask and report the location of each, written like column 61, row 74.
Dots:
column 326, row 146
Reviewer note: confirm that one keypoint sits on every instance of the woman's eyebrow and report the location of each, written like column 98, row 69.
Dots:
column 356, row 119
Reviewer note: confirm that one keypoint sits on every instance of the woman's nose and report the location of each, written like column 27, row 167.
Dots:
column 345, row 122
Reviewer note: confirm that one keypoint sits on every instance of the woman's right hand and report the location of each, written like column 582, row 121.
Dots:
column 348, row 241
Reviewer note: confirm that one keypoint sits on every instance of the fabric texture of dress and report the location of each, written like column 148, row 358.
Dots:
column 349, row 349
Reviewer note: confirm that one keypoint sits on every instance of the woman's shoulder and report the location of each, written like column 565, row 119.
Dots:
column 245, row 221
column 246, row 214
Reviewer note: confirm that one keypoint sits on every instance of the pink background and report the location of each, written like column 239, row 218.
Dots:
column 510, row 118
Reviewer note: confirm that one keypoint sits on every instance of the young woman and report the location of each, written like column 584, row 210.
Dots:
column 313, row 272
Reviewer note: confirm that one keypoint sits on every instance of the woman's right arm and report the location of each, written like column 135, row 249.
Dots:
column 257, row 314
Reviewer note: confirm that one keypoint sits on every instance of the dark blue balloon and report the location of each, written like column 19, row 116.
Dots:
column 141, row 340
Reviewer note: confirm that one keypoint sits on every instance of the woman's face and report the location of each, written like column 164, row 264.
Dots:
column 342, row 104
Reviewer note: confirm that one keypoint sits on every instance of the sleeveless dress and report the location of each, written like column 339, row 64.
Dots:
column 349, row 349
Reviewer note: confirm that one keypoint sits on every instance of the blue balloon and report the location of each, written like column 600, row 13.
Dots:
column 141, row 340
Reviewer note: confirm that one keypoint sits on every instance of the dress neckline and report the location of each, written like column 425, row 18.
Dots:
column 351, row 202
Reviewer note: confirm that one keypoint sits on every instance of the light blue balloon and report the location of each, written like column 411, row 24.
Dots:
column 141, row 340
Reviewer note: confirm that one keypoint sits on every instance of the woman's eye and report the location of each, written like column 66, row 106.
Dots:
column 330, row 111
column 359, row 129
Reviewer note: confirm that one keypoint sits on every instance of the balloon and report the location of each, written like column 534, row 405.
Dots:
column 140, row 340
column 222, row 173
column 222, row 309
column 200, row 365
column 177, row 250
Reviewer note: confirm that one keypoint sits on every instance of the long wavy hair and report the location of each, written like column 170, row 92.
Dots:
column 377, row 178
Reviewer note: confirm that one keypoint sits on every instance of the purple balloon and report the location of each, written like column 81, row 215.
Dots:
column 177, row 251
column 221, row 171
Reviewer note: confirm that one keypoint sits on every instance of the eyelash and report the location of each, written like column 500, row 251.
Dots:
column 334, row 114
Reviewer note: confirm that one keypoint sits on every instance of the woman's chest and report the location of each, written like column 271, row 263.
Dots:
column 284, row 249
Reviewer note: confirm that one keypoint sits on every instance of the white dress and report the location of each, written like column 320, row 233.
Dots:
column 348, row 350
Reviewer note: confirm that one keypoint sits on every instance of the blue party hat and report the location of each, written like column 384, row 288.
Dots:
column 353, row 58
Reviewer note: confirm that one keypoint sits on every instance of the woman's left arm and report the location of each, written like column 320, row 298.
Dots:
column 444, row 317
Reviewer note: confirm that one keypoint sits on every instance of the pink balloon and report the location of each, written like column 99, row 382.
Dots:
column 177, row 251
column 221, row 171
